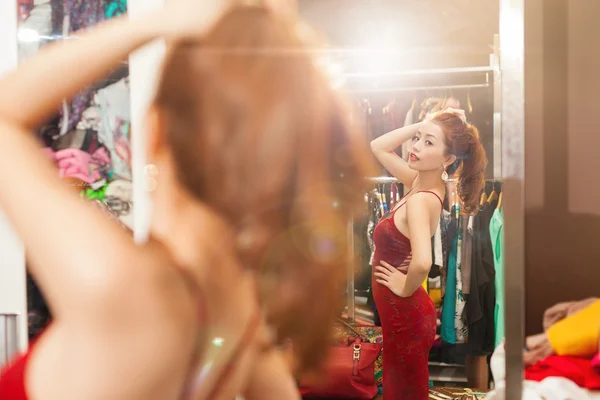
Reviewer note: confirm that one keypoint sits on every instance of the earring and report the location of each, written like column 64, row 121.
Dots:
column 445, row 177
column 151, row 172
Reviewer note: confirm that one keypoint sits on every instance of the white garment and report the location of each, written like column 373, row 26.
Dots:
column 90, row 119
column 549, row 389
column 114, row 132
column 38, row 23
column 438, row 254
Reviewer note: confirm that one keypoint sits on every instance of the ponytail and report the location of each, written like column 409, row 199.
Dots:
column 471, row 171
column 463, row 141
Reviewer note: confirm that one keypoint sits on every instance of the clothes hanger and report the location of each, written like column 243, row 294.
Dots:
column 499, row 202
column 412, row 105
column 469, row 105
column 482, row 199
column 380, row 200
column 439, row 104
column 385, row 203
column 493, row 196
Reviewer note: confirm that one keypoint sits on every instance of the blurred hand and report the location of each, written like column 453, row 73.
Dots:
column 451, row 102
column 538, row 348
column 282, row 6
column 556, row 313
column 190, row 18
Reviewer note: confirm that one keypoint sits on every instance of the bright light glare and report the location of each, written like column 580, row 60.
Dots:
column 333, row 70
column 28, row 35
column 511, row 33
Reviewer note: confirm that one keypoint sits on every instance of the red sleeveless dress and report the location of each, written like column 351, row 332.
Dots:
column 12, row 378
column 408, row 324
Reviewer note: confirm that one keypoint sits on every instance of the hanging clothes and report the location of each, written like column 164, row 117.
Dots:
column 497, row 238
column 78, row 15
column 460, row 323
column 467, row 229
column 114, row 132
column 448, row 331
column 114, row 8
column 482, row 300
column 445, row 221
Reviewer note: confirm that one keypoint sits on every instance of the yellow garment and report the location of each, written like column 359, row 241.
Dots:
column 425, row 283
column 578, row 334
column 436, row 297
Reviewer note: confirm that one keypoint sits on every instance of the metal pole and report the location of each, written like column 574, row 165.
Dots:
column 436, row 71
column 512, row 48
column 416, row 88
column 350, row 272
column 9, row 338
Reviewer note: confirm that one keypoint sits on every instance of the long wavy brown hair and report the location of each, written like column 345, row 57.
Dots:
column 259, row 135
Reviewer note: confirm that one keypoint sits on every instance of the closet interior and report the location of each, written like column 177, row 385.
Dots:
column 468, row 286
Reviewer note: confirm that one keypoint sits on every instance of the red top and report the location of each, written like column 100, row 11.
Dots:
column 392, row 245
column 12, row 381
column 12, row 378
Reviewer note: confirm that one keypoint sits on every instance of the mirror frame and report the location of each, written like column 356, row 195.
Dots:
column 512, row 52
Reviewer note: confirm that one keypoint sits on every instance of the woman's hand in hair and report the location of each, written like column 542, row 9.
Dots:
column 288, row 7
column 184, row 19
column 455, row 111
column 391, row 278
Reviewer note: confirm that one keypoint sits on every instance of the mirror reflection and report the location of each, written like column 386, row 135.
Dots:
column 89, row 138
column 454, row 277
column 423, row 302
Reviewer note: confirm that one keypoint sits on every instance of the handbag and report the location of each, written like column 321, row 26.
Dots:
column 349, row 372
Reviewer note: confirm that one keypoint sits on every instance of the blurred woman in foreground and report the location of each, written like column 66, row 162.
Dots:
column 253, row 170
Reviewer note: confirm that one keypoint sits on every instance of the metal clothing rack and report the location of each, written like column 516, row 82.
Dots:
column 420, row 88
column 354, row 76
column 433, row 71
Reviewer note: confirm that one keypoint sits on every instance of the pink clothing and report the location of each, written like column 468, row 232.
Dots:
column 75, row 163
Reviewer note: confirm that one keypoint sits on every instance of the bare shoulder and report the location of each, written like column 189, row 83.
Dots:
column 163, row 285
column 152, row 318
column 424, row 202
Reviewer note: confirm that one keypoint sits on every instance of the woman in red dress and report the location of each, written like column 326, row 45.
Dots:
column 443, row 145
column 248, row 147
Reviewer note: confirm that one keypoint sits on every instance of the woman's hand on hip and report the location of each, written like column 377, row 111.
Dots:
column 392, row 278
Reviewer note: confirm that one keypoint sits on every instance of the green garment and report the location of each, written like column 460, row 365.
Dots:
column 497, row 236
column 92, row 194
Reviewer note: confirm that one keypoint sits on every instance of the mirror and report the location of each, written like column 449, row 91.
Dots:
column 89, row 138
column 399, row 62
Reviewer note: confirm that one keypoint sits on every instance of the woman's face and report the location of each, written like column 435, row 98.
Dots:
column 428, row 149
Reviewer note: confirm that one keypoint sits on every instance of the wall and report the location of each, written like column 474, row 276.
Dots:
column 562, row 65
column 430, row 34
column 13, row 298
